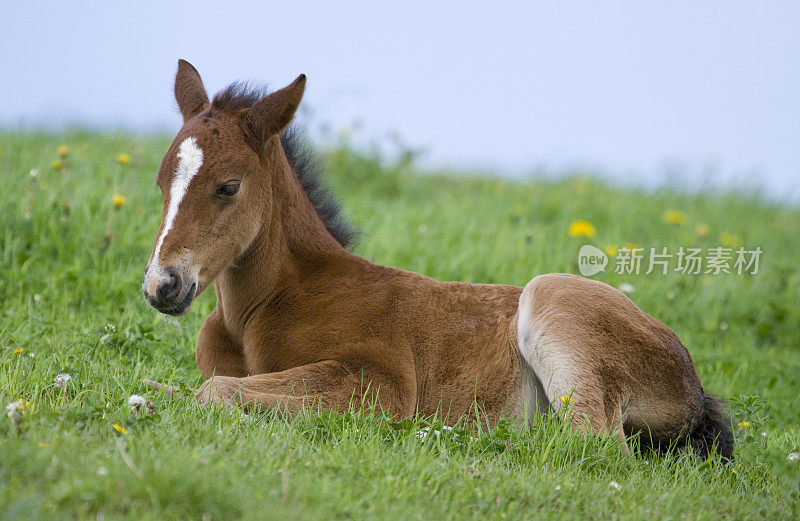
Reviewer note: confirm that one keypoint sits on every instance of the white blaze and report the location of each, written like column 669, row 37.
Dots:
column 190, row 159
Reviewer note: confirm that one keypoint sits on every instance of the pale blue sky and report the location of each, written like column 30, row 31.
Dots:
column 643, row 91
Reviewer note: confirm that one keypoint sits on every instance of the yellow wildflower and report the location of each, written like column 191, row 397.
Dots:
column 566, row 400
column 117, row 200
column 610, row 250
column 19, row 351
column 123, row 159
column 702, row 230
column 121, row 430
column 582, row 229
column 743, row 424
column 674, row 217
column 57, row 164
column 63, row 150
column 730, row 239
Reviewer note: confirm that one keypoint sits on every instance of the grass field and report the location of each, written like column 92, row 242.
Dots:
column 72, row 260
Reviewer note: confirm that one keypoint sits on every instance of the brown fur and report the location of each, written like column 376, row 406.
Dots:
column 301, row 321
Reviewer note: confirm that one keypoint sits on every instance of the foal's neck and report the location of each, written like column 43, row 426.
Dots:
column 291, row 243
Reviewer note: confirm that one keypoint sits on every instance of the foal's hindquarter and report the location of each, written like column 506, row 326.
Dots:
column 620, row 370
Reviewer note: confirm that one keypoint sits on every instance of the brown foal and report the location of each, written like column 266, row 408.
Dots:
column 302, row 322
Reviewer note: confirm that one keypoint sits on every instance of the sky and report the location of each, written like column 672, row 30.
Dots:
column 683, row 92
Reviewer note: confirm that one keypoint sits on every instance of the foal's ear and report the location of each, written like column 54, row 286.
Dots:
column 273, row 112
column 189, row 90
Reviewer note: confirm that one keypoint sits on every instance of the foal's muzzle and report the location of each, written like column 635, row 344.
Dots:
column 168, row 291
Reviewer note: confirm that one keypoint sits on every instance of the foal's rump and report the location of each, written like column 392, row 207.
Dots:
column 620, row 370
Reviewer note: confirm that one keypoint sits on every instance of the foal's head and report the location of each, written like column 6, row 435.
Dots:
column 215, row 187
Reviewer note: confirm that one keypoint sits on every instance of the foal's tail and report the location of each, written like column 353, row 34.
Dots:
column 712, row 429
column 708, row 432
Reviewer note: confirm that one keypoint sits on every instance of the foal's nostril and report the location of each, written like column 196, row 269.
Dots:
column 169, row 287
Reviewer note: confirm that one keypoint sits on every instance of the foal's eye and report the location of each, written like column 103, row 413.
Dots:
column 229, row 189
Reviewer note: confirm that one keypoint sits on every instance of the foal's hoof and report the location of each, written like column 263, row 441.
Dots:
column 169, row 390
column 219, row 389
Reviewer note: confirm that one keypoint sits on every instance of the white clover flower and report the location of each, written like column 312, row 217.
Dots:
column 626, row 288
column 136, row 402
column 14, row 411
column 793, row 456
column 423, row 432
column 33, row 173
column 62, row 380
column 614, row 485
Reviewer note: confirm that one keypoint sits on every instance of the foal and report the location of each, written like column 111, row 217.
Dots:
column 301, row 321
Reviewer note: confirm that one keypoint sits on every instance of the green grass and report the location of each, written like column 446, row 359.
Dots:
column 70, row 263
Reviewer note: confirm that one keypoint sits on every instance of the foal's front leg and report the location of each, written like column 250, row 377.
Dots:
column 325, row 385
column 217, row 353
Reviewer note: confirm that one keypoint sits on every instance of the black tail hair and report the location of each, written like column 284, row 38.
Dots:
column 712, row 430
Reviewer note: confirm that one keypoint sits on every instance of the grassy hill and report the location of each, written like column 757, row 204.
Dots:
column 75, row 238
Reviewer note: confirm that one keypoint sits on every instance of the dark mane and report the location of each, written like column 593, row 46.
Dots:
column 310, row 172
column 302, row 158
column 238, row 95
